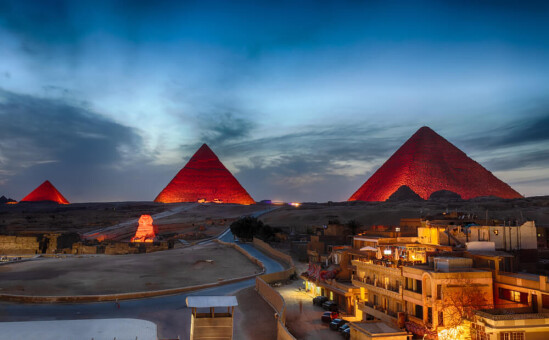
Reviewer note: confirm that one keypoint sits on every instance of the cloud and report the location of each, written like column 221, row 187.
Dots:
column 92, row 157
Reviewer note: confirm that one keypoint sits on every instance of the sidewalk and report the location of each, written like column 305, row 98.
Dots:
column 304, row 324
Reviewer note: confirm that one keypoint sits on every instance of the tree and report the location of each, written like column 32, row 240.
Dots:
column 461, row 298
column 249, row 227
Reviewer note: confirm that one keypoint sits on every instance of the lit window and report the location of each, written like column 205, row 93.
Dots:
column 496, row 232
column 512, row 336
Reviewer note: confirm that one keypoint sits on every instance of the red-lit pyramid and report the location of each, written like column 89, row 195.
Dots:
column 45, row 192
column 427, row 163
column 204, row 177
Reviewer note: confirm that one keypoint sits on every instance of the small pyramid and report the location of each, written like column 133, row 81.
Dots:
column 204, row 178
column 427, row 163
column 404, row 193
column 45, row 192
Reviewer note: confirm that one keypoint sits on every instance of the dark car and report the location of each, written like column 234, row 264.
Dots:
column 336, row 323
column 347, row 333
column 343, row 328
column 319, row 300
column 329, row 316
column 330, row 305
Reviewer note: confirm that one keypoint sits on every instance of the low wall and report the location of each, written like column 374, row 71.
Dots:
column 270, row 295
column 265, row 247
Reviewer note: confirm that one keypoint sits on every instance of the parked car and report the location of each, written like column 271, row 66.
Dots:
column 343, row 328
column 336, row 323
column 330, row 305
column 329, row 316
column 347, row 333
column 319, row 300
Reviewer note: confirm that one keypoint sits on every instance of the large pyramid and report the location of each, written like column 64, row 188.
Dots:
column 45, row 192
column 427, row 163
column 204, row 177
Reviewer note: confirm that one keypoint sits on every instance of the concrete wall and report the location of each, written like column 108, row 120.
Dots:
column 269, row 294
column 265, row 247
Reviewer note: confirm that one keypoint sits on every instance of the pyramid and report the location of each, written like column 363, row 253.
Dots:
column 204, row 178
column 45, row 192
column 427, row 163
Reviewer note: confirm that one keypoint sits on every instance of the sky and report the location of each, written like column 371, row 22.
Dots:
column 301, row 100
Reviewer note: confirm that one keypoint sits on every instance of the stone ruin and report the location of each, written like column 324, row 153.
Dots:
column 145, row 230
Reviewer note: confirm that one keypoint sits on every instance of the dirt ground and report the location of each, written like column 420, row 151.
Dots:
column 103, row 274
column 309, row 215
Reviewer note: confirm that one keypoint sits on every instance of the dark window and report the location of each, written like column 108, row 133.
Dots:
column 545, row 300
column 439, row 292
column 512, row 295
column 419, row 312
column 440, row 318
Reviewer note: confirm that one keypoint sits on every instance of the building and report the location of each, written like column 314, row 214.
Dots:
column 419, row 296
column 369, row 330
column 510, row 324
column 211, row 324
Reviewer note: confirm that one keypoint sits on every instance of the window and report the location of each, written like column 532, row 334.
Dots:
column 440, row 318
column 419, row 312
column 511, row 336
column 545, row 300
column 512, row 295
column 439, row 292
column 478, row 332
column 398, row 307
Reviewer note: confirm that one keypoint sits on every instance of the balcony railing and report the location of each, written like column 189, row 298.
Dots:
column 377, row 283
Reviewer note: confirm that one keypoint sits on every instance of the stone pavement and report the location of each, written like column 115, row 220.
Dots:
column 96, row 329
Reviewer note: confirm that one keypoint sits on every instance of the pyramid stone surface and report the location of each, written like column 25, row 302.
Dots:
column 204, row 177
column 427, row 163
column 45, row 192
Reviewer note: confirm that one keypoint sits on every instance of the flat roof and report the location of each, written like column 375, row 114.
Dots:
column 377, row 327
column 510, row 314
column 524, row 276
column 211, row 301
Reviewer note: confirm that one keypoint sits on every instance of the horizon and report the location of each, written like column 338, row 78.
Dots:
column 109, row 100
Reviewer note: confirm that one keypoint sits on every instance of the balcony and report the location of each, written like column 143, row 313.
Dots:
column 412, row 296
column 376, row 286
column 378, row 312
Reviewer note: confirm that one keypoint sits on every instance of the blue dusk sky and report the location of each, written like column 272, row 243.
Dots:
column 301, row 100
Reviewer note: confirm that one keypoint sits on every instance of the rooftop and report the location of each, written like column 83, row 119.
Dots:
column 211, row 301
column 524, row 276
column 376, row 327
column 510, row 314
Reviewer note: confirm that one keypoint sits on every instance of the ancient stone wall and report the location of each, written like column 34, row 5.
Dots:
column 19, row 245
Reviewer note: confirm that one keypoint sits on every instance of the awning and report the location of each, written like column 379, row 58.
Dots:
column 368, row 248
